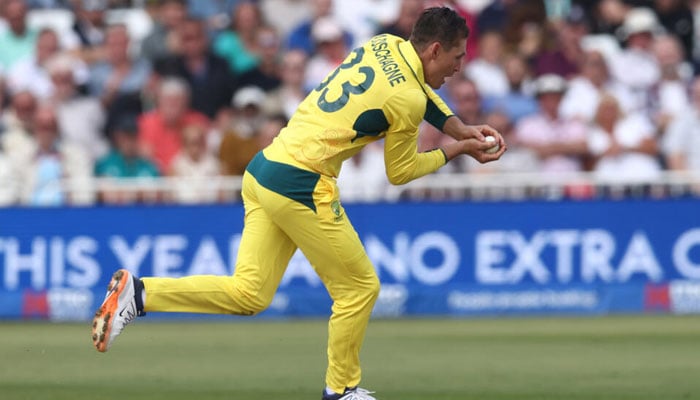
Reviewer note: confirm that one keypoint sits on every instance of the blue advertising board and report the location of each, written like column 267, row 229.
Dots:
column 445, row 259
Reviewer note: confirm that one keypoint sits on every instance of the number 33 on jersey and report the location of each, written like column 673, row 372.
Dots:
column 378, row 90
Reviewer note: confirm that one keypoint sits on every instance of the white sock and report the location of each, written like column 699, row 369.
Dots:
column 330, row 391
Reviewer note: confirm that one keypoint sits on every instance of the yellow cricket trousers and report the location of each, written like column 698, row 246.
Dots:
column 287, row 208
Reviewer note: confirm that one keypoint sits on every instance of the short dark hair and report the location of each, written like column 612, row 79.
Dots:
column 439, row 24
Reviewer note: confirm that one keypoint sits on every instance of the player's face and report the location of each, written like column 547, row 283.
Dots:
column 444, row 63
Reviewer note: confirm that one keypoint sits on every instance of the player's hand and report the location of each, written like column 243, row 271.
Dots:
column 477, row 148
column 458, row 130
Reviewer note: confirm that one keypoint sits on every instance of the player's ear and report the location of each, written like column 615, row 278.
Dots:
column 434, row 50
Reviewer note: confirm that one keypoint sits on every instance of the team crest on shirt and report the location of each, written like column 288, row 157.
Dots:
column 335, row 207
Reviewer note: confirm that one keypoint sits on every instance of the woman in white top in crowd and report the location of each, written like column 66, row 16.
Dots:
column 624, row 147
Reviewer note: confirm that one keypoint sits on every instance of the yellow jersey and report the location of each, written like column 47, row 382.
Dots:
column 378, row 92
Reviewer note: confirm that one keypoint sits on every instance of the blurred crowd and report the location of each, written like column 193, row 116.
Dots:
column 121, row 89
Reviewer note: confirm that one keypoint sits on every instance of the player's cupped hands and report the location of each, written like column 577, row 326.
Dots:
column 477, row 146
column 482, row 150
column 474, row 139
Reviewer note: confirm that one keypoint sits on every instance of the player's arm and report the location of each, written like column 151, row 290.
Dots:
column 403, row 163
column 402, row 160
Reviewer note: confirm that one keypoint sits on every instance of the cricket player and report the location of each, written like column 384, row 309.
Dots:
column 382, row 91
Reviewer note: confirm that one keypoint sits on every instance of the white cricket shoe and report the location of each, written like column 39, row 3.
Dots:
column 121, row 305
column 356, row 393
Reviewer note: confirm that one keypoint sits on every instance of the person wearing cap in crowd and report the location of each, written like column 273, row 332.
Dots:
column 124, row 161
column 559, row 142
column 239, row 142
column 81, row 117
column 330, row 51
column 635, row 66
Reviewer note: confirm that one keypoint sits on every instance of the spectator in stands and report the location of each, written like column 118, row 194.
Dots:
column 670, row 92
column 266, row 74
column 16, row 138
column 624, row 146
column 559, row 142
column 196, row 167
column 466, row 99
column 9, row 181
column 285, row 15
column 209, row 78
column 54, row 160
column 487, row 70
column 18, row 40
column 240, row 133
column 162, row 41
column 285, row 99
column 681, row 141
column 676, row 16
column 301, row 37
column 495, row 16
column 124, row 161
column 525, row 27
column 365, row 18
column 519, row 158
column 636, row 66
column 330, row 51
column 29, row 73
column 402, row 26
column 90, row 28
column 518, row 102
column 561, row 52
column 160, row 130
column 238, row 45
column 3, row 96
column 584, row 91
column 118, row 73
column 50, row 4
column 606, row 16
column 270, row 128
column 216, row 14
column 80, row 117
column 362, row 178
column 461, row 7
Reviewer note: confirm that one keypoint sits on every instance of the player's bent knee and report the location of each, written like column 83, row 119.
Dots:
column 371, row 288
column 250, row 302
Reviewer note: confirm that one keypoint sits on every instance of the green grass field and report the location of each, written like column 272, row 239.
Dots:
column 616, row 358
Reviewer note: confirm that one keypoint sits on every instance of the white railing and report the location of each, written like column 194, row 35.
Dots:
column 513, row 186
column 517, row 186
